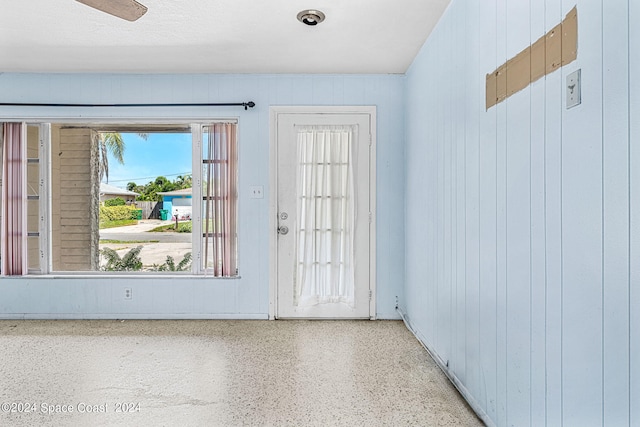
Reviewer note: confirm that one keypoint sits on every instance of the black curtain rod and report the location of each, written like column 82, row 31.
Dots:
column 246, row 105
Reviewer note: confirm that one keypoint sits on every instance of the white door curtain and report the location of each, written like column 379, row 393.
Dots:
column 325, row 215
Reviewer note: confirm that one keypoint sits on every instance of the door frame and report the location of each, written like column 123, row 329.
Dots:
column 274, row 113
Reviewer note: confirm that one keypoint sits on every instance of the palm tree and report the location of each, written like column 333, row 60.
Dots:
column 112, row 142
column 183, row 181
column 103, row 143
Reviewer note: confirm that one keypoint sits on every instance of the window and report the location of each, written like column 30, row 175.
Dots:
column 66, row 200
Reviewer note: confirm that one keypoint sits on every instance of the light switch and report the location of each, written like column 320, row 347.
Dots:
column 573, row 89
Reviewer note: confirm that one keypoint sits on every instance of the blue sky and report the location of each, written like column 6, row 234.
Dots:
column 162, row 154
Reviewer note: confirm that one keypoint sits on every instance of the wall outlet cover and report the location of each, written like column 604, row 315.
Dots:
column 256, row 191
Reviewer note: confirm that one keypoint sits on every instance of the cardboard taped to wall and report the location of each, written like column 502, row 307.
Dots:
column 549, row 53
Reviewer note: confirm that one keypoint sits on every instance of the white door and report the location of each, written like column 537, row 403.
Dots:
column 323, row 243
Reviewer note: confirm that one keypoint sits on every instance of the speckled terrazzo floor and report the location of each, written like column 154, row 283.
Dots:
column 221, row 373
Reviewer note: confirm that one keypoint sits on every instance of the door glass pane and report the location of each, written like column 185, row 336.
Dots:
column 325, row 215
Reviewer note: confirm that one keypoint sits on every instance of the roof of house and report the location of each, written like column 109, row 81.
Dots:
column 115, row 191
column 183, row 192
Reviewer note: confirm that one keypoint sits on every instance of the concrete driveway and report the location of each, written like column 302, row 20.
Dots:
column 142, row 226
column 173, row 244
column 141, row 231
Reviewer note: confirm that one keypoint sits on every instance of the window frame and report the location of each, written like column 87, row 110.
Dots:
column 197, row 127
column 44, row 198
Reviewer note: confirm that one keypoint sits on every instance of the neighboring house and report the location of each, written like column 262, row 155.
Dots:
column 178, row 203
column 108, row 192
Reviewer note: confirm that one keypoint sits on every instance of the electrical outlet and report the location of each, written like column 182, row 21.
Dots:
column 128, row 294
column 256, row 191
column 573, row 89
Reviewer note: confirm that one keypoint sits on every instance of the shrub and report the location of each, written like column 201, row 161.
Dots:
column 170, row 264
column 117, row 213
column 129, row 262
column 115, row 202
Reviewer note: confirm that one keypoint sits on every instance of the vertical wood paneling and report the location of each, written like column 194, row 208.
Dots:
column 354, row 90
column 456, row 191
column 438, row 253
column 634, row 194
column 449, row 316
column 247, row 296
column 501, row 230
column 338, row 91
column 486, row 34
column 553, row 237
column 443, row 88
column 420, row 208
column 468, row 124
column 389, row 215
column 538, row 263
column 284, row 90
column 199, row 88
column 582, row 228
column 427, row 260
column 323, row 90
column 444, row 283
column 430, row 287
column 518, row 226
column 543, row 200
column 616, row 211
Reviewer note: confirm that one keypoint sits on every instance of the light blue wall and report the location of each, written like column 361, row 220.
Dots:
column 523, row 221
column 248, row 296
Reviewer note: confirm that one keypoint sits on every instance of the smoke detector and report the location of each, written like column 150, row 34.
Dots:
column 311, row 17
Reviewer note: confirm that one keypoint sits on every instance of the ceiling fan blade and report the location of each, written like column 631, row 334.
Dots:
column 129, row 10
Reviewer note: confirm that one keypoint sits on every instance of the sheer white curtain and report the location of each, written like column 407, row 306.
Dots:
column 220, row 219
column 325, row 215
column 14, row 208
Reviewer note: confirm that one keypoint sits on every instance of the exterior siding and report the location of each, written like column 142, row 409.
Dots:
column 71, row 198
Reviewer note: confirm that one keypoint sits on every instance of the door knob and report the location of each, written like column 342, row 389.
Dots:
column 283, row 229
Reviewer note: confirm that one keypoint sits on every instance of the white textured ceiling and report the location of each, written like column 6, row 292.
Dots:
column 216, row 36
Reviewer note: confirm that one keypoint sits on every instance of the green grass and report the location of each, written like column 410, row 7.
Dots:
column 110, row 241
column 118, row 223
column 183, row 227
